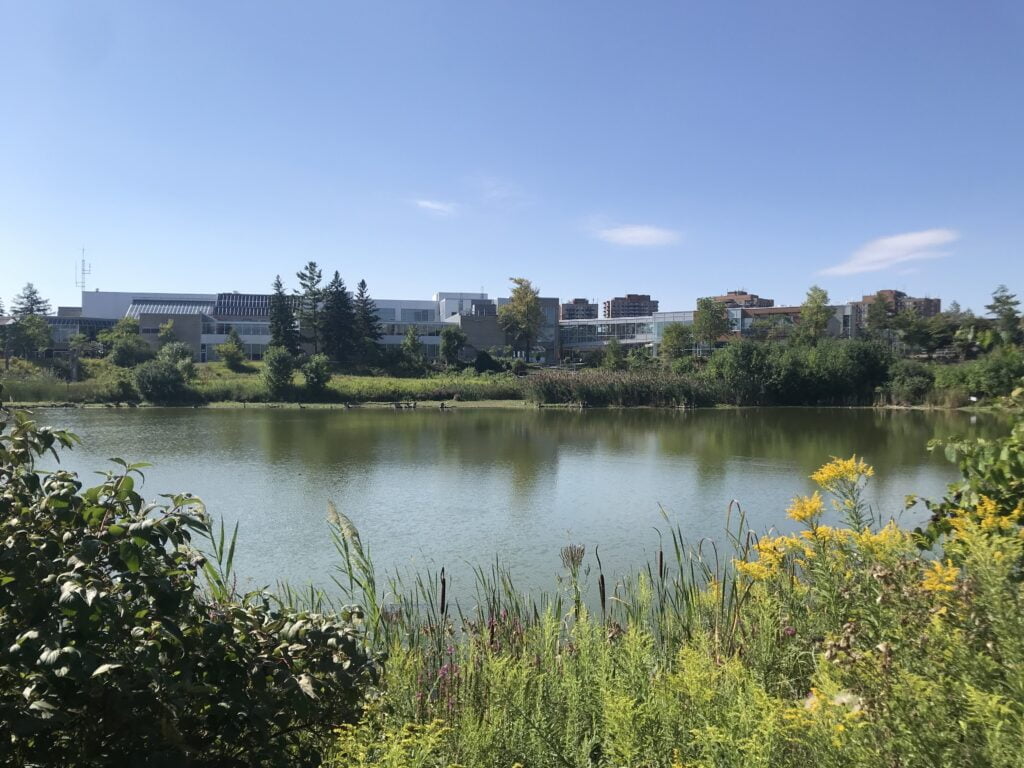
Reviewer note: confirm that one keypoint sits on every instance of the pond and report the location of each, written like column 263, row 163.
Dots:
column 428, row 488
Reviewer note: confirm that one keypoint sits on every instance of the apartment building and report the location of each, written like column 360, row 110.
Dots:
column 630, row 305
column 578, row 309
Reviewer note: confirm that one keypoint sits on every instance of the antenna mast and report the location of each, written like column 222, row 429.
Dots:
column 81, row 272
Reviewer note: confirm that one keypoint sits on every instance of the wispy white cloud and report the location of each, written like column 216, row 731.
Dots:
column 498, row 193
column 437, row 207
column 887, row 252
column 637, row 235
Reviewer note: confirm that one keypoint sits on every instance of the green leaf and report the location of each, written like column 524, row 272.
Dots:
column 129, row 554
column 102, row 669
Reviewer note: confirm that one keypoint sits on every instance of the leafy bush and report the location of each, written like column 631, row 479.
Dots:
column 129, row 351
column 484, row 363
column 231, row 351
column 830, row 372
column 159, row 381
column 910, row 382
column 317, row 372
column 179, row 354
column 110, row 652
column 278, row 369
column 993, row 375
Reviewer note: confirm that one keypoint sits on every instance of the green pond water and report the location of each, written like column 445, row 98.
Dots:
column 429, row 489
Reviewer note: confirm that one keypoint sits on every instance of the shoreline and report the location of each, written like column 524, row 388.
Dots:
column 473, row 405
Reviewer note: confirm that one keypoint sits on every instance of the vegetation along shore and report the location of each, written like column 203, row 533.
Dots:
column 952, row 359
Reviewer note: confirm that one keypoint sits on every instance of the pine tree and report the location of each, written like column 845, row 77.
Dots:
column 29, row 302
column 367, row 327
column 338, row 321
column 1004, row 309
column 282, row 320
column 310, row 320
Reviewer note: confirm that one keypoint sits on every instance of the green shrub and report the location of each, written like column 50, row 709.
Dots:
column 112, row 654
column 993, row 375
column 231, row 352
column 317, row 372
column 179, row 354
column 910, row 382
column 161, row 382
column 278, row 369
column 129, row 351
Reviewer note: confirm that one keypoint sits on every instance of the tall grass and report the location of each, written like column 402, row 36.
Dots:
column 835, row 646
column 597, row 388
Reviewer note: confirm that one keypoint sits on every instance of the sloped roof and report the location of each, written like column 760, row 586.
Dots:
column 141, row 307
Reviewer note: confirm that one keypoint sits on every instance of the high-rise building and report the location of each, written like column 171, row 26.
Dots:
column 630, row 305
column 578, row 309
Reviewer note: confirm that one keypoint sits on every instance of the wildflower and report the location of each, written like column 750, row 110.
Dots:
column 806, row 508
column 756, row 571
column 939, row 577
column 842, row 472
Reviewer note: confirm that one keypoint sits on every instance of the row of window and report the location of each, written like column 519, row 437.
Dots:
column 244, row 329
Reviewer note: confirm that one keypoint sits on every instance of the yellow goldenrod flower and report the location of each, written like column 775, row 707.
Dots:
column 756, row 571
column 806, row 508
column 839, row 472
column 939, row 577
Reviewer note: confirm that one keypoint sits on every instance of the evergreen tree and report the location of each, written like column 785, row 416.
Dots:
column 338, row 321
column 282, row 320
column 29, row 302
column 1004, row 309
column 367, row 325
column 310, row 320
column 1, row 307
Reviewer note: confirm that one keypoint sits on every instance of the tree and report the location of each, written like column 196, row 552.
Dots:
column 124, row 345
column 639, row 359
column 232, row 352
column 676, row 343
column 815, row 313
column 614, row 356
column 877, row 316
column 367, row 325
column 913, row 328
column 710, row 322
column 29, row 335
column 317, row 372
column 278, row 369
column 282, row 319
column 1004, row 309
column 411, row 349
column 453, row 340
column 29, row 302
column 522, row 317
column 166, row 333
column 310, row 296
column 338, row 321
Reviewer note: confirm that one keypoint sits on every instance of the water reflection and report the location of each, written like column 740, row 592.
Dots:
column 459, row 487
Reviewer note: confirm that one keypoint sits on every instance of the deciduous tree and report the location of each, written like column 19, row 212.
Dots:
column 522, row 317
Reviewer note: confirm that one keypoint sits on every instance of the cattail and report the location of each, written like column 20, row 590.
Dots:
column 444, row 589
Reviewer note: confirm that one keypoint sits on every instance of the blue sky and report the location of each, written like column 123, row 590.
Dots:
column 676, row 148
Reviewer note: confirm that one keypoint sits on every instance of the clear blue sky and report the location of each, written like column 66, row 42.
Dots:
column 672, row 148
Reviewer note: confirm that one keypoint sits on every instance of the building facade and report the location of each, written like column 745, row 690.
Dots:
column 630, row 305
column 578, row 309
column 743, row 300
